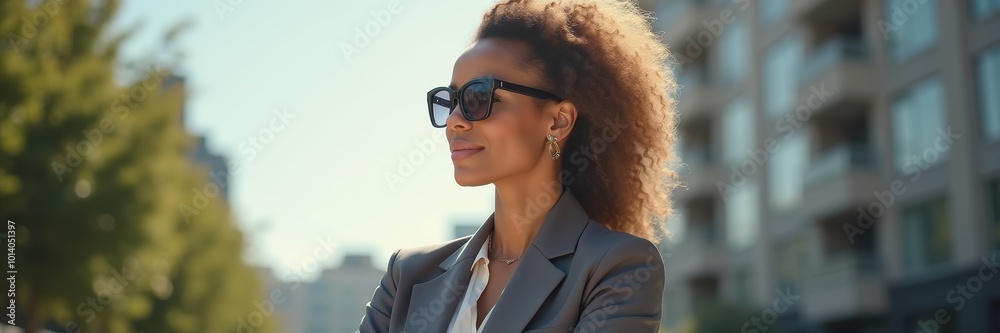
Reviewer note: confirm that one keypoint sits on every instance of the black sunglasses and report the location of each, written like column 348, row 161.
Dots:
column 475, row 98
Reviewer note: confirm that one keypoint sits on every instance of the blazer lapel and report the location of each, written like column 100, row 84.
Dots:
column 536, row 277
column 433, row 303
column 530, row 286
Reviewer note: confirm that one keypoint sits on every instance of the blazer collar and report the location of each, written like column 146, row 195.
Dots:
column 535, row 278
column 556, row 237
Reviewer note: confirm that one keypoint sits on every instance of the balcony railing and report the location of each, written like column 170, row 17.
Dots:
column 843, row 268
column 862, row 262
column 845, row 285
column 831, row 52
column 838, row 160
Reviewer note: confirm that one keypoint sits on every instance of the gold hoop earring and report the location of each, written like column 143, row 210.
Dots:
column 553, row 142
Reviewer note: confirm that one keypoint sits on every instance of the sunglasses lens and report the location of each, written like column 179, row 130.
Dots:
column 440, row 107
column 476, row 101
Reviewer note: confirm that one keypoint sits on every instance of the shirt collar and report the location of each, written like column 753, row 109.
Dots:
column 482, row 256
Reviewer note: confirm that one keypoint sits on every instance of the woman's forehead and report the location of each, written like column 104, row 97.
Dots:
column 503, row 59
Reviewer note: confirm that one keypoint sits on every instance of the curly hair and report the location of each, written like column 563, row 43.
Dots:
column 604, row 57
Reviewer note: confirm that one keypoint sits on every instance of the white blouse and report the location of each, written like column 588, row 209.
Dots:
column 465, row 318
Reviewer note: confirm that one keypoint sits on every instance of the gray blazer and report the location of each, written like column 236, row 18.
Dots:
column 577, row 275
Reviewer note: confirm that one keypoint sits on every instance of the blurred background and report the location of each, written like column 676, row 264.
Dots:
column 240, row 166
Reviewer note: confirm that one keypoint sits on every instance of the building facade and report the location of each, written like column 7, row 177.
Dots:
column 334, row 302
column 841, row 162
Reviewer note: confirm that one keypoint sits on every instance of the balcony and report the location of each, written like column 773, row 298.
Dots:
column 681, row 21
column 839, row 179
column 700, row 252
column 844, row 285
column 839, row 161
column 837, row 79
column 699, row 96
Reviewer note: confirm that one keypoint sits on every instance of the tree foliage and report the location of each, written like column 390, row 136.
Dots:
column 93, row 173
column 722, row 317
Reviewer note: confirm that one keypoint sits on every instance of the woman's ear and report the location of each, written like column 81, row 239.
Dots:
column 563, row 119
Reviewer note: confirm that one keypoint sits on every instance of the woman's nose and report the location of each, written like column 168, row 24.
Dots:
column 456, row 121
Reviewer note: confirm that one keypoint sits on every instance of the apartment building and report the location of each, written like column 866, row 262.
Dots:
column 842, row 162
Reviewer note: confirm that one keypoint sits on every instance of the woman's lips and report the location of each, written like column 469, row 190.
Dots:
column 461, row 154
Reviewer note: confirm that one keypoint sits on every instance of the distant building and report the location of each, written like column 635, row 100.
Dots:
column 283, row 297
column 335, row 302
column 462, row 230
column 217, row 165
column 828, row 122
column 169, row 83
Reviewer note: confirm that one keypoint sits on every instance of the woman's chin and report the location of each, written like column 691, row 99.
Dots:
column 465, row 179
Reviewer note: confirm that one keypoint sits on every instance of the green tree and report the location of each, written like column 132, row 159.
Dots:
column 721, row 317
column 93, row 174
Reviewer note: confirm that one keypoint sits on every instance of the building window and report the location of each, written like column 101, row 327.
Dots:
column 771, row 11
column 988, row 75
column 734, row 47
column 993, row 206
column 786, row 173
column 917, row 117
column 982, row 9
column 780, row 77
column 927, row 237
column 738, row 133
column 742, row 215
column 792, row 260
column 909, row 27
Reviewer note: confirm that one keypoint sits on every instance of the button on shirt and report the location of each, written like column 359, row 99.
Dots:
column 465, row 318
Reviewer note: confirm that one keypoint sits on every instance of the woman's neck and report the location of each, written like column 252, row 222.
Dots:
column 521, row 208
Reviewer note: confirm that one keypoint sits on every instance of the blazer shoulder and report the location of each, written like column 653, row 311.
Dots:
column 597, row 241
column 429, row 254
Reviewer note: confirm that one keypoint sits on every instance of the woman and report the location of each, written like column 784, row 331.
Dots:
column 566, row 107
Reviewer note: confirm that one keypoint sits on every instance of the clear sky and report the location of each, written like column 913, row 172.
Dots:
column 323, row 176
